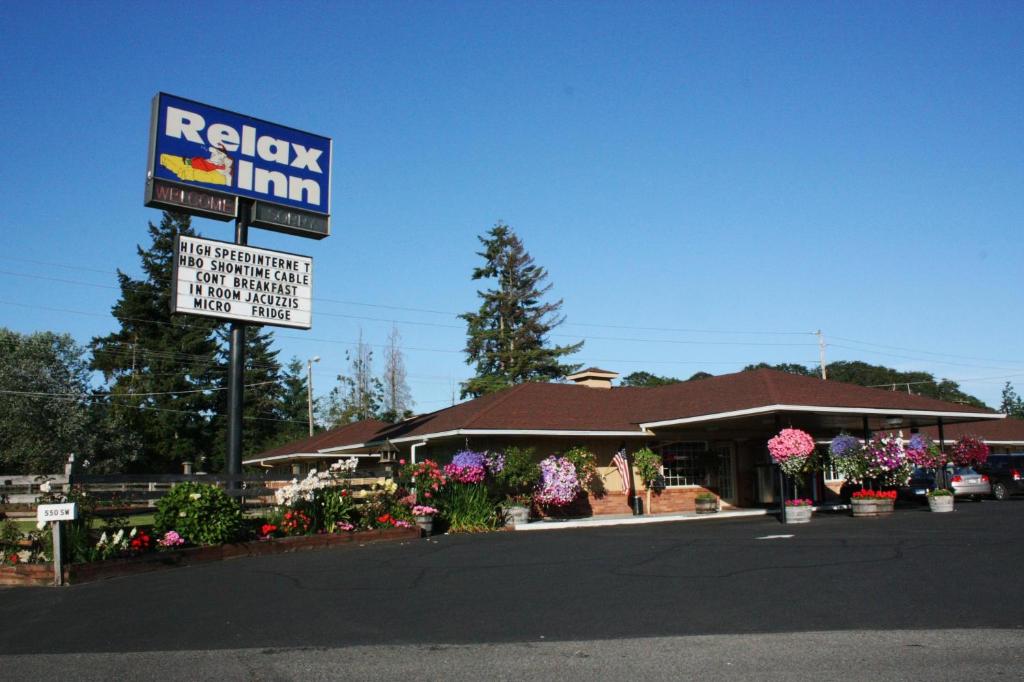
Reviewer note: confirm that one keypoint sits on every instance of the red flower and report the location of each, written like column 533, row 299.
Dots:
column 384, row 518
column 14, row 559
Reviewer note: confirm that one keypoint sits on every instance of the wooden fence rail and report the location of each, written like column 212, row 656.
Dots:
column 131, row 491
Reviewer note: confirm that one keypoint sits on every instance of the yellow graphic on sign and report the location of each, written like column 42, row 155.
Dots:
column 216, row 170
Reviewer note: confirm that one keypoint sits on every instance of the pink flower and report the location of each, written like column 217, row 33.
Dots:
column 401, row 462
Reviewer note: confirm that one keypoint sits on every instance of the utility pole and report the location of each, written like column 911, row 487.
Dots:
column 309, row 389
column 821, row 354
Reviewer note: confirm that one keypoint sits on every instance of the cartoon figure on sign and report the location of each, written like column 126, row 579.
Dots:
column 215, row 170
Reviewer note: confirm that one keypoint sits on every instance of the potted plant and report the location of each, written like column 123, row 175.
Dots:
column 799, row 511
column 648, row 464
column 706, row 503
column 424, row 516
column 516, row 481
column 940, row 500
column 873, row 502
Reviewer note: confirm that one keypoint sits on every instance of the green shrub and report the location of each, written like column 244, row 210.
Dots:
column 517, row 479
column 648, row 465
column 336, row 506
column 586, row 468
column 202, row 514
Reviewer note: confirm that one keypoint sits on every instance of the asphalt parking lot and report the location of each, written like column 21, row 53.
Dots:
column 914, row 569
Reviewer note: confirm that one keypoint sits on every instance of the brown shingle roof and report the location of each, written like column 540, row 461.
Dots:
column 358, row 432
column 569, row 407
column 996, row 430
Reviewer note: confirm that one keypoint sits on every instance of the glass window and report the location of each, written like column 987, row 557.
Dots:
column 684, row 463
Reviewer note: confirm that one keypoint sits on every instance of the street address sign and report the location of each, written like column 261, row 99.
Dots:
column 67, row 511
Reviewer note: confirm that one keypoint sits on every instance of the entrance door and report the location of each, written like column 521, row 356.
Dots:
column 725, row 471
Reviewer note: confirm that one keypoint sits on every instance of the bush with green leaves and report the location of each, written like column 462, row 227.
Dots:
column 202, row 514
column 586, row 468
column 468, row 507
column 520, row 475
column 648, row 465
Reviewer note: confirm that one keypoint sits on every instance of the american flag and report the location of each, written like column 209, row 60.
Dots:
column 620, row 462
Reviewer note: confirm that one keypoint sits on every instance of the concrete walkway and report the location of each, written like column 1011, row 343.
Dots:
column 630, row 520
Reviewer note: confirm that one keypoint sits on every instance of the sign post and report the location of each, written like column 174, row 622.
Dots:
column 236, row 370
column 54, row 514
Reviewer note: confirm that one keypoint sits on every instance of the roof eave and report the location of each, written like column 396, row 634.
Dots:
column 818, row 409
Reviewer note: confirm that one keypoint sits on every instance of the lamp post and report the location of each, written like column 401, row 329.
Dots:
column 309, row 389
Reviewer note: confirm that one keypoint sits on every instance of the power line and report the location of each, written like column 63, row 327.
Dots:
column 150, row 408
column 923, row 352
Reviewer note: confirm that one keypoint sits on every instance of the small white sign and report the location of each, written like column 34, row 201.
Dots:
column 57, row 512
column 234, row 282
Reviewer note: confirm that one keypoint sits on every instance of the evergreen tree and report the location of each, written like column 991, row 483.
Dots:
column 1012, row 405
column 359, row 393
column 397, row 400
column 507, row 336
column 295, row 401
column 263, row 410
column 160, row 370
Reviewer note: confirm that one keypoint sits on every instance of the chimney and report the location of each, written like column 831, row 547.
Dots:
column 592, row 377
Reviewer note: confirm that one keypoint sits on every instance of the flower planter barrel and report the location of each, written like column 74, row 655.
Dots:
column 517, row 516
column 872, row 506
column 706, row 506
column 426, row 524
column 801, row 514
column 940, row 503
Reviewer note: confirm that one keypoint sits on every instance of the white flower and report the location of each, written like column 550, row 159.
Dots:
column 195, row 496
column 134, row 532
column 41, row 525
column 118, row 536
column 102, row 540
column 44, row 487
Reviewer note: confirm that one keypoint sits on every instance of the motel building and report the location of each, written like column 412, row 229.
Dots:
column 712, row 433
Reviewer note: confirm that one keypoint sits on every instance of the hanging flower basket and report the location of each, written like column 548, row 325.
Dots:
column 791, row 449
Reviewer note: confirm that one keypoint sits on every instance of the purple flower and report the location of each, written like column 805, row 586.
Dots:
column 559, row 484
column 844, row 445
column 469, row 458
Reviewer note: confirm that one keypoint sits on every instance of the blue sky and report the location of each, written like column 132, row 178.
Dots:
column 696, row 177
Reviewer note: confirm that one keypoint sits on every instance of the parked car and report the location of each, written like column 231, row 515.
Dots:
column 917, row 487
column 1005, row 473
column 967, row 482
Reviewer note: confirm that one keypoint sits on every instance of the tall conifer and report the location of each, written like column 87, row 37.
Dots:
column 160, row 369
column 507, row 337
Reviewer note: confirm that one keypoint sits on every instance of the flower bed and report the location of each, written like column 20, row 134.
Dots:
column 42, row 574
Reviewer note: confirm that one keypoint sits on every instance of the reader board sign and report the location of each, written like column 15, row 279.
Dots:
column 215, row 152
column 67, row 511
column 243, row 283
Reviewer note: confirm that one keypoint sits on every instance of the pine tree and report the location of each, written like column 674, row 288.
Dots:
column 263, row 410
column 1012, row 404
column 359, row 393
column 160, row 369
column 507, row 336
column 397, row 401
column 295, row 400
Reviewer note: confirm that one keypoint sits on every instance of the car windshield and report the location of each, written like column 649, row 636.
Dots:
column 965, row 471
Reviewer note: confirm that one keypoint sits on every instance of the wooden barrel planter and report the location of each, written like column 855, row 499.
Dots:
column 706, row 505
